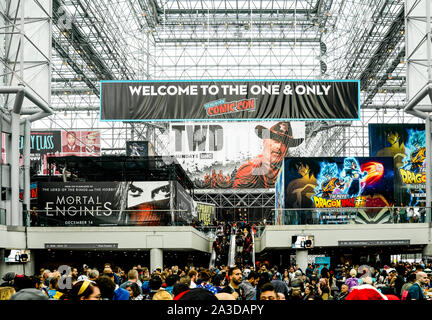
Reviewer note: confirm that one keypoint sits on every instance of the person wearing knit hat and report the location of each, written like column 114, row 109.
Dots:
column 22, row 281
column 8, row 278
column 367, row 291
column 224, row 296
column 29, row 294
column 198, row 294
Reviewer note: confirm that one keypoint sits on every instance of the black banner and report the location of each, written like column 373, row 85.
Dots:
column 139, row 149
column 77, row 203
column 43, row 142
column 186, row 206
column 234, row 100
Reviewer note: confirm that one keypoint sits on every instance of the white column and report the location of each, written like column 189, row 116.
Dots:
column 156, row 259
column 16, row 217
column 427, row 250
column 301, row 259
column 26, row 163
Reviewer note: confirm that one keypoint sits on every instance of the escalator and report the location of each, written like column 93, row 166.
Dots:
column 232, row 251
column 212, row 259
column 253, row 250
column 245, row 255
column 226, row 254
column 231, row 255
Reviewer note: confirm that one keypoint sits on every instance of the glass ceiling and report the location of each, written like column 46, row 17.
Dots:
column 183, row 39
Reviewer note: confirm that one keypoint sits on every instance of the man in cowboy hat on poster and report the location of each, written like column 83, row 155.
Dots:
column 261, row 171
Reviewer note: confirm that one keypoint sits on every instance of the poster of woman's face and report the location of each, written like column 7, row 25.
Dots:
column 147, row 191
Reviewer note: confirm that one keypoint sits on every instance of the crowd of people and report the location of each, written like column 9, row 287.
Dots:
column 411, row 214
column 400, row 281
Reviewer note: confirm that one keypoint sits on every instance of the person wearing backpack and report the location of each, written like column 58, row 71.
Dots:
column 410, row 281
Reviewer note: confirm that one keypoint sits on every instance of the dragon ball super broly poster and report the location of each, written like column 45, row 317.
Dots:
column 406, row 144
column 340, row 184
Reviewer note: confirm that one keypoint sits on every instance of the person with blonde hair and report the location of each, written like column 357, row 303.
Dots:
column 162, row 295
column 224, row 296
column 352, row 281
column 133, row 277
column 6, row 293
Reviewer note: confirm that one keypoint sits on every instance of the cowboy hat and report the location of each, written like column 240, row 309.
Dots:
column 281, row 131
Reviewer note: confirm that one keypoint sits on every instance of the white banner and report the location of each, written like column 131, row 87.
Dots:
column 235, row 154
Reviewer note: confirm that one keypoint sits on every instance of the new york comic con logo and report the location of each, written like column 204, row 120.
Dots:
column 221, row 107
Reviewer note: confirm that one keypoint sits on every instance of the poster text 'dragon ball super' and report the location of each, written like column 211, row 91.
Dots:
column 406, row 144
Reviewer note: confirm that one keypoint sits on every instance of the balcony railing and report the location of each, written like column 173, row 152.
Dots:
column 370, row 215
column 313, row 216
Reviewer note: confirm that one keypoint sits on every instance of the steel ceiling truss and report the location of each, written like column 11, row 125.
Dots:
column 366, row 42
column 255, row 203
column 232, row 19
column 96, row 40
column 158, row 39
